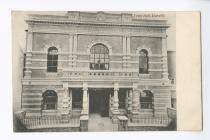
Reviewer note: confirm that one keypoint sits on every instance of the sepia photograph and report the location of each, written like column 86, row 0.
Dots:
column 94, row 71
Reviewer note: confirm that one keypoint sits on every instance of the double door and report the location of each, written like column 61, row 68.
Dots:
column 99, row 102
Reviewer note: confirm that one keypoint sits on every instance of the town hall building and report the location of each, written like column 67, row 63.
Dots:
column 82, row 64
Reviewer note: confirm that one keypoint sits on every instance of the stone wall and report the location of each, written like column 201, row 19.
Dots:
column 74, row 41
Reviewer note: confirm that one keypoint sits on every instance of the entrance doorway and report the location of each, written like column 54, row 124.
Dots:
column 99, row 101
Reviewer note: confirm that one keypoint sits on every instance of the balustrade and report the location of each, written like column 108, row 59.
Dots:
column 151, row 121
column 35, row 122
column 100, row 74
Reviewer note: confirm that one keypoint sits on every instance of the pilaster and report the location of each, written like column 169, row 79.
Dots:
column 28, row 62
column 115, row 110
column 128, row 45
column 66, row 101
column 110, row 104
column 85, row 100
column 164, row 58
column 71, row 50
column 126, row 51
column 129, row 109
column 74, row 50
column 135, row 102
column 70, row 103
column 116, row 100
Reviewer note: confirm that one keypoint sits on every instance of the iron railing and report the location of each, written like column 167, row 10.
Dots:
column 151, row 121
column 39, row 122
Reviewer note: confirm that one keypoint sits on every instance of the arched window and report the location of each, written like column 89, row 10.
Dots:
column 143, row 61
column 99, row 57
column 52, row 59
column 50, row 100
column 146, row 99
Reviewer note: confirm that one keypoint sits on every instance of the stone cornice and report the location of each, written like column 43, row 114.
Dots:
column 108, row 83
column 97, row 19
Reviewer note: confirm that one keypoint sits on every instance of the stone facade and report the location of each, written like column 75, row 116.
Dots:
column 74, row 34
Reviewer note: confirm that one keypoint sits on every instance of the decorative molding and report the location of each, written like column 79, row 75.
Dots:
column 113, row 32
column 52, row 44
column 51, row 74
column 49, row 88
column 65, row 85
column 156, row 70
column 144, row 48
column 81, row 19
column 135, row 86
column 100, row 16
column 116, row 86
column 145, row 88
column 144, row 76
column 85, row 53
column 107, row 83
column 87, row 61
column 94, row 42
column 152, row 55
column 85, row 86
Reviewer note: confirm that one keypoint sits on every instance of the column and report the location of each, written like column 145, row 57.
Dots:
column 65, row 100
column 116, row 100
column 115, row 110
column 28, row 62
column 129, row 101
column 110, row 104
column 85, row 100
column 135, row 102
column 164, row 58
column 88, row 101
column 70, row 103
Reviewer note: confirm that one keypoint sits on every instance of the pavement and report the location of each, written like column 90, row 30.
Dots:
column 100, row 124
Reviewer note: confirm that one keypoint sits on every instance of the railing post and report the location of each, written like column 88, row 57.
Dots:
column 115, row 110
column 129, row 110
column 84, row 123
column 122, row 123
column 135, row 102
column 85, row 100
